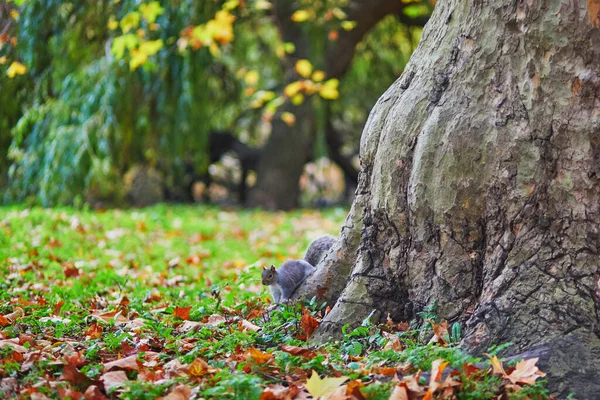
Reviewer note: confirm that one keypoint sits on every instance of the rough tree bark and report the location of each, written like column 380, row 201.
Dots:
column 289, row 148
column 480, row 188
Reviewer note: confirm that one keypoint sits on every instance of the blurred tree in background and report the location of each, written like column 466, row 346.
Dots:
column 99, row 96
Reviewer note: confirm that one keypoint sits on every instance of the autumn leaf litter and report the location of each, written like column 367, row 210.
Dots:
column 166, row 303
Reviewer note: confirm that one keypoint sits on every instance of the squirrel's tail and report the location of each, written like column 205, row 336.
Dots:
column 318, row 248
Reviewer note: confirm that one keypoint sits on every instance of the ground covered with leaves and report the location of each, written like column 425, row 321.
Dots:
column 167, row 302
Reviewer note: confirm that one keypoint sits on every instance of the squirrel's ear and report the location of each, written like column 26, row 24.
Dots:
column 273, row 268
column 264, row 267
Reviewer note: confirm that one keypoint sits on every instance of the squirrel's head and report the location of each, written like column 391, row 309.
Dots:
column 269, row 275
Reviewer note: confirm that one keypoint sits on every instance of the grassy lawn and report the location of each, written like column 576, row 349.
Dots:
column 167, row 301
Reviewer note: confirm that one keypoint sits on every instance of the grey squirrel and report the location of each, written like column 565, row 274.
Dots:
column 286, row 279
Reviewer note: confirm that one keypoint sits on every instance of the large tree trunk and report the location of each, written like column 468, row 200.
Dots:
column 480, row 188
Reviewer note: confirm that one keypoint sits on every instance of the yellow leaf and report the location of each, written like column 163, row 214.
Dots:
column 318, row 387
column 151, row 47
column 14, row 14
column 318, row 76
column 112, row 23
column 130, row 21
column 293, row 88
column 298, row 99
column 231, row 4
column 16, row 68
column 214, row 50
column 137, row 58
column 300, row 16
column 3, row 60
column 288, row 118
column 151, row 11
column 329, row 91
column 304, row 68
column 348, row 25
column 251, row 78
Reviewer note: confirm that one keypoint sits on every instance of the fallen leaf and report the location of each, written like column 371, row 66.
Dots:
column 526, row 372
column 437, row 368
column 259, row 356
column 93, row 393
column 179, row 392
column 309, row 324
column 400, row 392
column 189, row 326
column 318, row 387
column 199, row 368
column 130, row 363
column 249, row 326
column 182, row 312
column 14, row 344
column 216, row 320
column 115, row 315
column 72, row 375
column 279, row 392
column 114, row 379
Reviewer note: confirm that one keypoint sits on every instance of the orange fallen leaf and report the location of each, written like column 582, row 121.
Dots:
column 309, row 324
column 259, row 356
column 182, row 312
column 199, row 368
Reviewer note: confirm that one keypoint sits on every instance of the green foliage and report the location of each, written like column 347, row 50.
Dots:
column 112, row 84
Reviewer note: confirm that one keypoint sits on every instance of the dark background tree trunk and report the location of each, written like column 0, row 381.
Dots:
column 480, row 188
column 289, row 148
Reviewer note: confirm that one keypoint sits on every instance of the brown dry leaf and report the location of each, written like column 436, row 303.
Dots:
column 94, row 331
column 440, row 332
column 182, row 312
column 12, row 317
column 70, row 270
column 14, row 344
column 94, row 393
column 110, row 315
column 297, row 351
column 190, row 326
column 412, row 384
column 113, row 379
column 526, row 372
column 57, row 307
column 179, row 392
column 309, row 324
column 259, row 356
column 131, row 363
column 279, row 392
column 353, row 389
column 437, row 368
column 393, row 342
column 72, row 375
column 400, row 392
column 216, row 320
column 245, row 325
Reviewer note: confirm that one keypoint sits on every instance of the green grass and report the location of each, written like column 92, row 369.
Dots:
column 62, row 266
